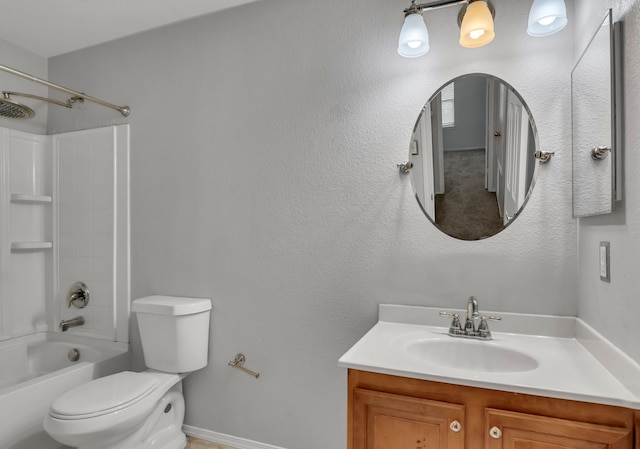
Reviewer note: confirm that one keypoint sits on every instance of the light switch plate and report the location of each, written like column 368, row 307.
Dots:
column 605, row 262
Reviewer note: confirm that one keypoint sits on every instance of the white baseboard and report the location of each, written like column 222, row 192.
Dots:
column 225, row 440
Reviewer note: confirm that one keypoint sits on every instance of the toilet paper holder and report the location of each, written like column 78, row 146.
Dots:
column 238, row 362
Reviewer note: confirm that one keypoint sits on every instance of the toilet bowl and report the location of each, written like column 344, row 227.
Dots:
column 143, row 410
column 126, row 410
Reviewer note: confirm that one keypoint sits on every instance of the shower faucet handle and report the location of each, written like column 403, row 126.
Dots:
column 78, row 295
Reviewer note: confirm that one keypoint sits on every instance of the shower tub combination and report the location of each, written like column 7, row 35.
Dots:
column 36, row 369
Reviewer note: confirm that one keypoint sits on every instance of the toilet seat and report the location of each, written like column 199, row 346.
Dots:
column 104, row 395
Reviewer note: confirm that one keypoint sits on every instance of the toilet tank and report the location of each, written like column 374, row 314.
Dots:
column 174, row 332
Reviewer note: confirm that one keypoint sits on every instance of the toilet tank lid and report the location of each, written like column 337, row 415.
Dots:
column 171, row 305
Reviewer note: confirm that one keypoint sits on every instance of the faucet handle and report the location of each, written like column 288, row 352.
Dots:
column 455, row 328
column 483, row 328
column 78, row 295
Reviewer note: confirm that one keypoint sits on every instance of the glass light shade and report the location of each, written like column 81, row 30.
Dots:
column 414, row 37
column 476, row 29
column 547, row 17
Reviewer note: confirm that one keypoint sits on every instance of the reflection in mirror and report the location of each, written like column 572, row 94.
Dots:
column 595, row 150
column 473, row 154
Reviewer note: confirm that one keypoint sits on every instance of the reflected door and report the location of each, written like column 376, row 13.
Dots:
column 422, row 158
column 515, row 156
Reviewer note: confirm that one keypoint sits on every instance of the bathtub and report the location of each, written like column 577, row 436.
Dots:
column 36, row 369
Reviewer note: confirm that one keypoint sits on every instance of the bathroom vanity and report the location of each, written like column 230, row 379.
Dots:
column 399, row 412
column 558, row 385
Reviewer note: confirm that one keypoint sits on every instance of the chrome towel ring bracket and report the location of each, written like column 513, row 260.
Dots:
column 600, row 152
column 544, row 156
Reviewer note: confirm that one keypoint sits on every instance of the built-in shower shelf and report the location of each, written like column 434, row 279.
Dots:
column 26, row 198
column 23, row 246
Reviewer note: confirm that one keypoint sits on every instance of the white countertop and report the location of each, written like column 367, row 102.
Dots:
column 573, row 361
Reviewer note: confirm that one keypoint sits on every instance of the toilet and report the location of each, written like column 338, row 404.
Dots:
column 144, row 410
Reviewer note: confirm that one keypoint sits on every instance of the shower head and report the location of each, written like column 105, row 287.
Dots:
column 14, row 110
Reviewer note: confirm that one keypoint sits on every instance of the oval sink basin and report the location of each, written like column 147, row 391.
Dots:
column 470, row 355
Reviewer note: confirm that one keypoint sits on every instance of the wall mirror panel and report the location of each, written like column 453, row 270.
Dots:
column 473, row 154
column 597, row 123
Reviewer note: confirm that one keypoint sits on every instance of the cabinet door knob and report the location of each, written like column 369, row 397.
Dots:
column 455, row 426
column 496, row 433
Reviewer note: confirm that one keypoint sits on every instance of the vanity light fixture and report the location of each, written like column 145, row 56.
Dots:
column 414, row 36
column 547, row 17
column 476, row 24
column 475, row 21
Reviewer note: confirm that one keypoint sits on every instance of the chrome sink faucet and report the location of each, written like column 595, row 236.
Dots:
column 472, row 316
column 471, row 329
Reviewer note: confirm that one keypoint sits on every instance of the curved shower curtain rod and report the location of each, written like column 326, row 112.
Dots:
column 124, row 110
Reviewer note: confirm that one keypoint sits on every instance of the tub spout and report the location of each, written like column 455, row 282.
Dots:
column 73, row 322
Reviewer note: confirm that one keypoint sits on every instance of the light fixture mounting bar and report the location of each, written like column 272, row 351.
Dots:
column 419, row 7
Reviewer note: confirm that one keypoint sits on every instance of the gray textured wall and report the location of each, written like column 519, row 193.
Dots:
column 613, row 308
column 263, row 175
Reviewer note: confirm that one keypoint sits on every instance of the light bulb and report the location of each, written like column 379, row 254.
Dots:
column 546, row 17
column 476, row 28
column 414, row 37
column 546, row 21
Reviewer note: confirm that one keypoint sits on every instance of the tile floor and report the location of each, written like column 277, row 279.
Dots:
column 195, row 443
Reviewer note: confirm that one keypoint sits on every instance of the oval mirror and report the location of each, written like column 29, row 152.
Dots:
column 473, row 154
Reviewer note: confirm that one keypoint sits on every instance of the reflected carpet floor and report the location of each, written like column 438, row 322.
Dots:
column 466, row 210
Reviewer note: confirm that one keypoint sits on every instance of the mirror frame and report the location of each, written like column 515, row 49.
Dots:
column 617, row 117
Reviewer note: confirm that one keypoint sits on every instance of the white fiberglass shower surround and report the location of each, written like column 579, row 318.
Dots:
column 64, row 217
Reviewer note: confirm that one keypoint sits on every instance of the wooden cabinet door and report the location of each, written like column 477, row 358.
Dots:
column 510, row 430
column 390, row 421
